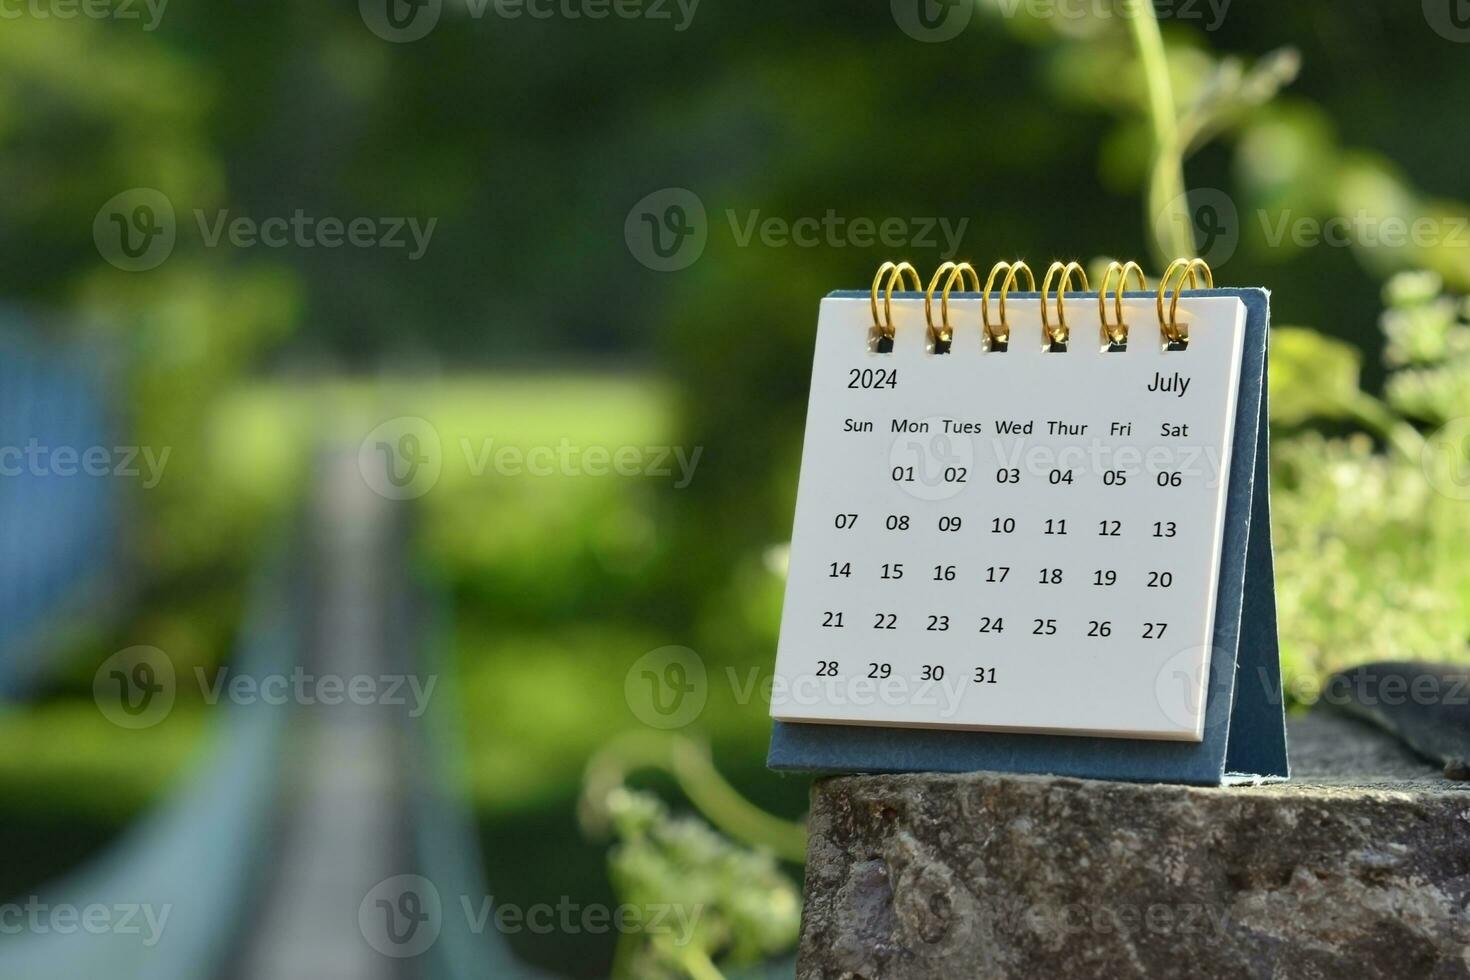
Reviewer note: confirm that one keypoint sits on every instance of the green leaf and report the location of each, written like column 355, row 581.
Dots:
column 1312, row 375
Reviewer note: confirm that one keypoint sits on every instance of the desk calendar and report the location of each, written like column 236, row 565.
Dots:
column 1032, row 532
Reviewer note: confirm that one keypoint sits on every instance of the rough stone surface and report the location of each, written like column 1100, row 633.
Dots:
column 1358, row 868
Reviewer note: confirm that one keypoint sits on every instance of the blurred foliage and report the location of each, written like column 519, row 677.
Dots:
column 529, row 140
column 742, row 907
column 93, row 110
column 180, row 332
column 1370, row 532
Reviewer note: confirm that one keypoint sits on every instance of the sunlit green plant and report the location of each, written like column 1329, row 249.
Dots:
column 1371, row 524
column 725, row 883
column 1370, row 518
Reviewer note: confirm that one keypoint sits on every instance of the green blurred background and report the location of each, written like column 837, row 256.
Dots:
column 534, row 316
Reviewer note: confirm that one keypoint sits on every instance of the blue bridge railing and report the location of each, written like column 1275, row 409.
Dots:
column 59, row 493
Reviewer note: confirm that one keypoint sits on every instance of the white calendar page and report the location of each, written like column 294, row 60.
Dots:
column 1020, row 540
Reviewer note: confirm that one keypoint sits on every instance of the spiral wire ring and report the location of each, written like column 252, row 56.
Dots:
column 1116, row 333
column 994, row 340
column 938, row 335
column 1057, row 336
column 962, row 272
column 895, row 273
column 1174, row 332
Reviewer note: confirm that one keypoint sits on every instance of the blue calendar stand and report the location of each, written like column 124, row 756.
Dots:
column 1245, row 726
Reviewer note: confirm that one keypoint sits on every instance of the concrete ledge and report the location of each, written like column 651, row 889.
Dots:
column 1358, row 868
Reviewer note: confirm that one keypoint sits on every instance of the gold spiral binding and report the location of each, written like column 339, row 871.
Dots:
column 1180, row 274
column 962, row 271
column 1056, row 336
column 999, row 341
column 894, row 271
column 938, row 335
column 1175, row 333
column 1116, row 334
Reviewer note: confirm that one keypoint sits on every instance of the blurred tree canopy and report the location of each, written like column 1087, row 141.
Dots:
column 529, row 139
